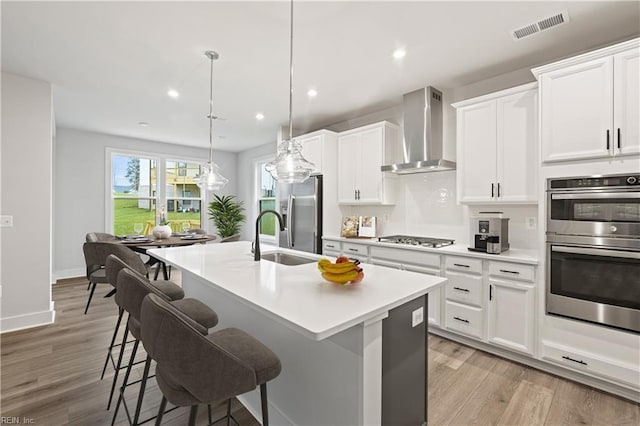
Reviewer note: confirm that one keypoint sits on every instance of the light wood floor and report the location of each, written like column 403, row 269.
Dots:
column 51, row 374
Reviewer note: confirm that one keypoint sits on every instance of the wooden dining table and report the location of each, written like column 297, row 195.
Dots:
column 141, row 246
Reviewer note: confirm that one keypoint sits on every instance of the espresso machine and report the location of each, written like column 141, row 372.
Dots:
column 489, row 233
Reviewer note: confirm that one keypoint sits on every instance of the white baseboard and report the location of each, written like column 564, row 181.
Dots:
column 20, row 322
column 69, row 273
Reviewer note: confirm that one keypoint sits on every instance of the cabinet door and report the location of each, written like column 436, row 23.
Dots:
column 517, row 152
column 577, row 111
column 370, row 156
column 312, row 151
column 348, row 163
column 626, row 111
column 511, row 318
column 477, row 151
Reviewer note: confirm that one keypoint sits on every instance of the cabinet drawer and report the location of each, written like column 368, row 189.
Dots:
column 332, row 246
column 472, row 266
column 512, row 271
column 592, row 364
column 464, row 319
column 407, row 256
column 358, row 250
column 464, row 288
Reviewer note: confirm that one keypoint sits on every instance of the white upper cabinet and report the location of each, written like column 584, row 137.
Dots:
column 589, row 104
column 626, row 119
column 361, row 153
column 497, row 147
column 314, row 148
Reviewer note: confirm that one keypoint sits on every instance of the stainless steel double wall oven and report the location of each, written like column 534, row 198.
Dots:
column 593, row 249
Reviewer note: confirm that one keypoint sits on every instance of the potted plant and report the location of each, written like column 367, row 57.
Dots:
column 227, row 214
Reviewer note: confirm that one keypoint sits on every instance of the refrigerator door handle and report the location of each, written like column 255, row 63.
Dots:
column 290, row 220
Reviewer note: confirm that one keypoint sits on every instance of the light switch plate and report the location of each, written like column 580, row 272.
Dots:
column 6, row 221
column 417, row 317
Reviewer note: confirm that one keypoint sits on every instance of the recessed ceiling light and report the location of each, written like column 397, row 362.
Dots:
column 312, row 93
column 172, row 93
column 143, row 123
column 399, row 53
column 259, row 116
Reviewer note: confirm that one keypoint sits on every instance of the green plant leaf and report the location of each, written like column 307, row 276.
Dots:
column 227, row 214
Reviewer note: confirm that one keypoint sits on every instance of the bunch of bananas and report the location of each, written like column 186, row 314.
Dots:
column 343, row 271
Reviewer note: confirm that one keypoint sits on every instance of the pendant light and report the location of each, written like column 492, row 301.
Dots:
column 290, row 166
column 210, row 178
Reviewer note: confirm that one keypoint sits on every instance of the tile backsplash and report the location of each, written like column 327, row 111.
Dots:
column 426, row 206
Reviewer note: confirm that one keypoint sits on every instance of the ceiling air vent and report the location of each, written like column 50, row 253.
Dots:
column 540, row 25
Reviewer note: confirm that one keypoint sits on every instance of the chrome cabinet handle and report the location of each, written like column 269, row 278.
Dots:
column 466, row 290
column 461, row 320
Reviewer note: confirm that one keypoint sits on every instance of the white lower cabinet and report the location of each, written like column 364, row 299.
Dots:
column 331, row 248
column 592, row 364
column 464, row 319
column 511, row 315
column 414, row 261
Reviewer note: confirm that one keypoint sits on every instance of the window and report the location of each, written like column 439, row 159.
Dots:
column 133, row 192
column 266, row 200
column 141, row 184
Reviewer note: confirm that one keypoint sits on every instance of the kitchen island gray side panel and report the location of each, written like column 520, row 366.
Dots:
column 404, row 366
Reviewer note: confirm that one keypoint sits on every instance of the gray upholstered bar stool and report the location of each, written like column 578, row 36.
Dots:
column 123, row 257
column 194, row 368
column 132, row 289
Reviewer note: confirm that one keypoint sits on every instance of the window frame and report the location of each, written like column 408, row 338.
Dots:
column 258, row 165
column 160, row 197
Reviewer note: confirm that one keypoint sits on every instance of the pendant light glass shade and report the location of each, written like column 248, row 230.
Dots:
column 210, row 178
column 290, row 166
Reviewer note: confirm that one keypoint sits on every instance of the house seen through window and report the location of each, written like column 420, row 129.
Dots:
column 141, row 185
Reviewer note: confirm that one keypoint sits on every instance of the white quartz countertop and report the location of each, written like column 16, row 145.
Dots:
column 297, row 295
column 512, row 255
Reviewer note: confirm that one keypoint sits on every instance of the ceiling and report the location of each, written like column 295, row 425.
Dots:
column 111, row 63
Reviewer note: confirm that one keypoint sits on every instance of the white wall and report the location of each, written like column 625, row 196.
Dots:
column 27, row 133
column 79, row 205
column 247, row 183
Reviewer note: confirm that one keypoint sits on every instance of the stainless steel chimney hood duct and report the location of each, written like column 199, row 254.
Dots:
column 423, row 144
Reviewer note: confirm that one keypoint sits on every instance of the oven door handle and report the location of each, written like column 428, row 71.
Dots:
column 595, row 196
column 596, row 252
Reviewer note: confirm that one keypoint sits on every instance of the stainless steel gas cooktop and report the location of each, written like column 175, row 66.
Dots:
column 416, row 241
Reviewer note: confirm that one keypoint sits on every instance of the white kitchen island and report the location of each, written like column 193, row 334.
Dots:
column 351, row 355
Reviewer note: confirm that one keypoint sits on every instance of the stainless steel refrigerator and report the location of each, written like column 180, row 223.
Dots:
column 301, row 207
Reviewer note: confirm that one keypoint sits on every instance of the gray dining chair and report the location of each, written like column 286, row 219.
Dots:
column 195, row 368
column 132, row 289
column 92, row 237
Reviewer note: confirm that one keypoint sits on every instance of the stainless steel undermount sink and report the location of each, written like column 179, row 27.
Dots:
column 286, row 259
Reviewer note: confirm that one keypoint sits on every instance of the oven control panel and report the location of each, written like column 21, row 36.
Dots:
column 593, row 182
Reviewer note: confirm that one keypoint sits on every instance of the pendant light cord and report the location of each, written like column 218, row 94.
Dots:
column 211, row 112
column 291, row 77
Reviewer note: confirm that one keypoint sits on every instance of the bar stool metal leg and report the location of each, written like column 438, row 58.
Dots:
column 193, row 414
column 163, row 406
column 263, row 400
column 143, row 386
column 118, row 364
column 125, row 380
column 113, row 340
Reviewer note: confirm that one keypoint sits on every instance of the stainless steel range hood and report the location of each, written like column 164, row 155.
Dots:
column 423, row 144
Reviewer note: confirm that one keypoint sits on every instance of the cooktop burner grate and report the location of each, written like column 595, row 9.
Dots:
column 417, row 241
